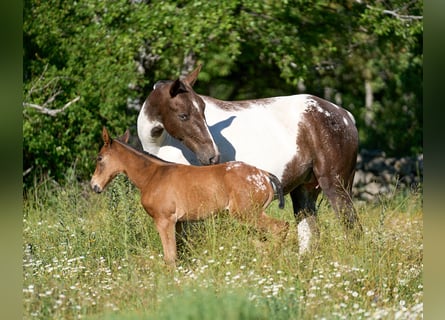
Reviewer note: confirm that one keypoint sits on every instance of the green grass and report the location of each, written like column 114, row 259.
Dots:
column 99, row 257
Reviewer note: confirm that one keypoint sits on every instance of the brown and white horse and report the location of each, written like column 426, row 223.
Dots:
column 172, row 193
column 309, row 143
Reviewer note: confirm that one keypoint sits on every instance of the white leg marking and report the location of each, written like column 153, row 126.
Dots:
column 304, row 236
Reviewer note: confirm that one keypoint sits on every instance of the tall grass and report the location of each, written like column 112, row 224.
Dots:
column 100, row 257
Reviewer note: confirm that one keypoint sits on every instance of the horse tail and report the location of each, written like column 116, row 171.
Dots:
column 278, row 189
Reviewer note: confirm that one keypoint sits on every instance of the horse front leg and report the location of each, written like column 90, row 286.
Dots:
column 166, row 229
column 339, row 196
column 303, row 201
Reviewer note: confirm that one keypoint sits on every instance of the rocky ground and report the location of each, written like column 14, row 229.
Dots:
column 378, row 175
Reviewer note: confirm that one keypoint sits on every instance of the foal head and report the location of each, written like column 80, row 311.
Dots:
column 107, row 163
column 178, row 109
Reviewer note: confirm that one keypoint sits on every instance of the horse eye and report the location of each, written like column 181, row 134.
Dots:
column 183, row 116
column 99, row 158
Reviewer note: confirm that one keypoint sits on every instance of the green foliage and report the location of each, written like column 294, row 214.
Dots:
column 75, row 49
column 109, row 54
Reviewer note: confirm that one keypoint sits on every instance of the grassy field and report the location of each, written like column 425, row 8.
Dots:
column 99, row 257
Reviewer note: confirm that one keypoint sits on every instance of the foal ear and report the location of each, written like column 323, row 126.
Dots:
column 106, row 136
column 177, row 87
column 192, row 76
column 125, row 137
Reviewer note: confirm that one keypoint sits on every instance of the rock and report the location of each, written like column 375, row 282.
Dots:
column 378, row 175
column 403, row 166
column 376, row 165
column 367, row 197
column 373, row 188
column 369, row 177
column 420, row 163
column 387, row 176
column 359, row 178
column 389, row 162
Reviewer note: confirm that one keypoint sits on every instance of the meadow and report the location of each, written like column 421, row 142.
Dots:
column 89, row 256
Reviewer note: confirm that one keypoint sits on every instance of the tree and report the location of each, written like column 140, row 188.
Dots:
column 94, row 62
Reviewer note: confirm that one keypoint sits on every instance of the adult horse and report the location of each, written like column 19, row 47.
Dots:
column 309, row 143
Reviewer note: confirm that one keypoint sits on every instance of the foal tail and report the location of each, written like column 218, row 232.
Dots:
column 278, row 189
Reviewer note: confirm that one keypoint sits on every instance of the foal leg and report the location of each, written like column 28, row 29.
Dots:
column 303, row 201
column 256, row 217
column 181, row 236
column 272, row 225
column 166, row 229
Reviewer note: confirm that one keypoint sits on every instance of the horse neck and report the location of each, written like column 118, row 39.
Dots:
column 137, row 166
column 152, row 144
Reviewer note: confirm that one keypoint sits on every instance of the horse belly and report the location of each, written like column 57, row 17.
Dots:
column 200, row 193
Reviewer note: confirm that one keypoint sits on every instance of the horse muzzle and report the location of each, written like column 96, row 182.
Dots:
column 96, row 188
column 215, row 159
column 208, row 160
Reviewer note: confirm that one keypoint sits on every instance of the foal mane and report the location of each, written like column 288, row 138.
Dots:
column 142, row 153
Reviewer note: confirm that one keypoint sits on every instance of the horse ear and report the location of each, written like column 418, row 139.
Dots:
column 177, row 87
column 192, row 76
column 126, row 136
column 106, row 136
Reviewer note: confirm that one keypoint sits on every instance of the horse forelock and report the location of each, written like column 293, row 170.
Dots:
column 160, row 98
column 157, row 100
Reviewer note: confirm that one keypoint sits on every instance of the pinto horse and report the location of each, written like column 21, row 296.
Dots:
column 309, row 143
column 172, row 193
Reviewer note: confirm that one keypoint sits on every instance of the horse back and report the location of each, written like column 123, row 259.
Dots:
column 282, row 133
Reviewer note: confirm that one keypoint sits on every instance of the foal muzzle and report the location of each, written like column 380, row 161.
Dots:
column 96, row 188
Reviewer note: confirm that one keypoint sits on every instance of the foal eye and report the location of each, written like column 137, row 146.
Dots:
column 183, row 116
column 99, row 158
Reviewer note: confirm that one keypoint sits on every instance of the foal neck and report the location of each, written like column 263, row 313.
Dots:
column 138, row 166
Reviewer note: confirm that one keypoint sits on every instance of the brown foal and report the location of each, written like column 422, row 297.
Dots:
column 172, row 192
